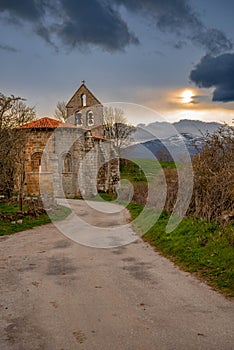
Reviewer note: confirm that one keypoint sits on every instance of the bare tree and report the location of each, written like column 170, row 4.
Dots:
column 116, row 127
column 60, row 112
column 13, row 114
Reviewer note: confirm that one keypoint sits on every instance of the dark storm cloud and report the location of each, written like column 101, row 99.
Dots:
column 95, row 23
column 177, row 16
column 168, row 14
column 79, row 23
column 25, row 9
column 217, row 72
column 76, row 23
column 212, row 39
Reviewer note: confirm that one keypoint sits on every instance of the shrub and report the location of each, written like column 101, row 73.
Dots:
column 213, row 196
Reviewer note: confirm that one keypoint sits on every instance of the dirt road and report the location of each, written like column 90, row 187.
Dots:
column 59, row 295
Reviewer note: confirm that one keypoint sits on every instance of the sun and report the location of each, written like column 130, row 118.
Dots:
column 187, row 96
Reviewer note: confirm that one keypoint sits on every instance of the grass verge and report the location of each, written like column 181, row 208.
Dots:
column 199, row 247
column 29, row 221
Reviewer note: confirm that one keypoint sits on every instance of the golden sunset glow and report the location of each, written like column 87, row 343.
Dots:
column 187, row 96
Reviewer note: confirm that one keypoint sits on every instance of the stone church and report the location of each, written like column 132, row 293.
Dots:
column 71, row 159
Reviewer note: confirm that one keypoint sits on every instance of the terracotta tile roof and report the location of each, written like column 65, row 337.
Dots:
column 47, row 123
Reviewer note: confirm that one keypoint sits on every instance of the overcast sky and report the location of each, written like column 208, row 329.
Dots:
column 174, row 56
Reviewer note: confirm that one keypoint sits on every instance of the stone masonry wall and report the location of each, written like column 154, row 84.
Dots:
column 87, row 155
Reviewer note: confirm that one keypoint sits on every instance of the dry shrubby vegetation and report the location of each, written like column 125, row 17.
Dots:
column 213, row 197
column 213, row 176
column 213, row 168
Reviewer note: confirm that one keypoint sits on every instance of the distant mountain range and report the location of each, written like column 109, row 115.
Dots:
column 162, row 130
column 169, row 141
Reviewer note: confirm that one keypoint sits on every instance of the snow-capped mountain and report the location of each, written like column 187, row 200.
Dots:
column 169, row 141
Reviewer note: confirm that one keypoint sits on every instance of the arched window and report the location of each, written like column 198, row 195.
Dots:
column 90, row 118
column 78, row 119
column 36, row 162
column 67, row 163
column 83, row 100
